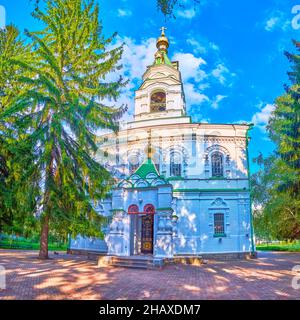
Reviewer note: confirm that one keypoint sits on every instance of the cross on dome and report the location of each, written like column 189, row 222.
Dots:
column 162, row 29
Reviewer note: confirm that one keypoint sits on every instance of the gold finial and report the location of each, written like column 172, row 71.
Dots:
column 162, row 29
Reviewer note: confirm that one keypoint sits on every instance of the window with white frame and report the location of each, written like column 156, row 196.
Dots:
column 175, row 164
column 217, row 168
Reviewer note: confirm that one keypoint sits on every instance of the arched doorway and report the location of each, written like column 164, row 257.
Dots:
column 142, row 229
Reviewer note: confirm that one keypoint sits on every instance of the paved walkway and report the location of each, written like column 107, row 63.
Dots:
column 72, row 277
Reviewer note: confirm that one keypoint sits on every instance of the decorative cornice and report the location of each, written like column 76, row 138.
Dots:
column 178, row 138
column 211, row 190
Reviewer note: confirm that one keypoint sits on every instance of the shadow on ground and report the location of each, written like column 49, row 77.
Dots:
column 72, row 277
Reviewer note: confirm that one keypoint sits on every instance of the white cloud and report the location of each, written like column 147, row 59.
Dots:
column 216, row 102
column 261, row 118
column 196, row 45
column 124, row 13
column 192, row 76
column 277, row 20
column 193, row 95
column 190, row 66
column 271, row 23
column 222, row 73
column 136, row 57
column 214, row 46
column 201, row 45
column 186, row 13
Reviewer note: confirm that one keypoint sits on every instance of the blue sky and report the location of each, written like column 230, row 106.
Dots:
column 230, row 53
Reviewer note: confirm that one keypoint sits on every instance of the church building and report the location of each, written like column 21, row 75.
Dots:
column 181, row 188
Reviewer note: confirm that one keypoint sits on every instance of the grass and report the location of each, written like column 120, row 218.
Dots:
column 282, row 246
column 29, row 245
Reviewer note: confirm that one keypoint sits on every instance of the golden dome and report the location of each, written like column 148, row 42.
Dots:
column 162, row 42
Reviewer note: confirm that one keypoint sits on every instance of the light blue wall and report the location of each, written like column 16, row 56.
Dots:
column 195, row 228
column 194, row 231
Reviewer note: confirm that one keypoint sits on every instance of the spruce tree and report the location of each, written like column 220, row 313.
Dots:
column 277, row 184
column 62, row 109
column 11, row 47
column 284, row 127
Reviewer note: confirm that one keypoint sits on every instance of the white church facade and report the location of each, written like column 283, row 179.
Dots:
column 182, row 188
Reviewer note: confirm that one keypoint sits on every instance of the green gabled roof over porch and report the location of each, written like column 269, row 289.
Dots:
column 145, row 168
column 146, row 175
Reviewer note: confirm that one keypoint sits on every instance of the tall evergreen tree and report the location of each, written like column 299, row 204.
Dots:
column 62, row 110
column 276, row 212
column 11, row 47
column 277, row 184
column 284, row 127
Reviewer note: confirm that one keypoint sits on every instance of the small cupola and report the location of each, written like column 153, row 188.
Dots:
column 162, row 44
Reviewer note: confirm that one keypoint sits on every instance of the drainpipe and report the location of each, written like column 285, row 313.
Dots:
column 251, row 125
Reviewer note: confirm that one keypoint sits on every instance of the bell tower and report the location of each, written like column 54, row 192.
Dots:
column 161, row 95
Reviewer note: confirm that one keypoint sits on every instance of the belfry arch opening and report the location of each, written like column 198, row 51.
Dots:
column 158, row 101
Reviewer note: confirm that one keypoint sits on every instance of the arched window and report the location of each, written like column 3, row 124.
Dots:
column 175, row 164
column 149, row 209
column 217, row 164
column 133, row 209
column 158, row 101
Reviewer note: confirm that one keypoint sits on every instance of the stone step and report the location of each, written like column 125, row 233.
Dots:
column 116, row 259
column 133, row 265
column 131, row 262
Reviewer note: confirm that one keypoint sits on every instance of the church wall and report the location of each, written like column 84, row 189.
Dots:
column 88, row 243
column 195, row 229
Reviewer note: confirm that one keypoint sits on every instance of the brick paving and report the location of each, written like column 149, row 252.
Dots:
column 72, row 277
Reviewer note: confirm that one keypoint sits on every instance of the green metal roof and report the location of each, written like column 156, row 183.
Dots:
column 145, row 168
column 165, row 60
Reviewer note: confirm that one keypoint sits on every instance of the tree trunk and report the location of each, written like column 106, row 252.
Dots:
column 43, row 254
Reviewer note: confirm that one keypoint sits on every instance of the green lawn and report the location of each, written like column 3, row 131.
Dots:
column 29, row 245
column 283, row 246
